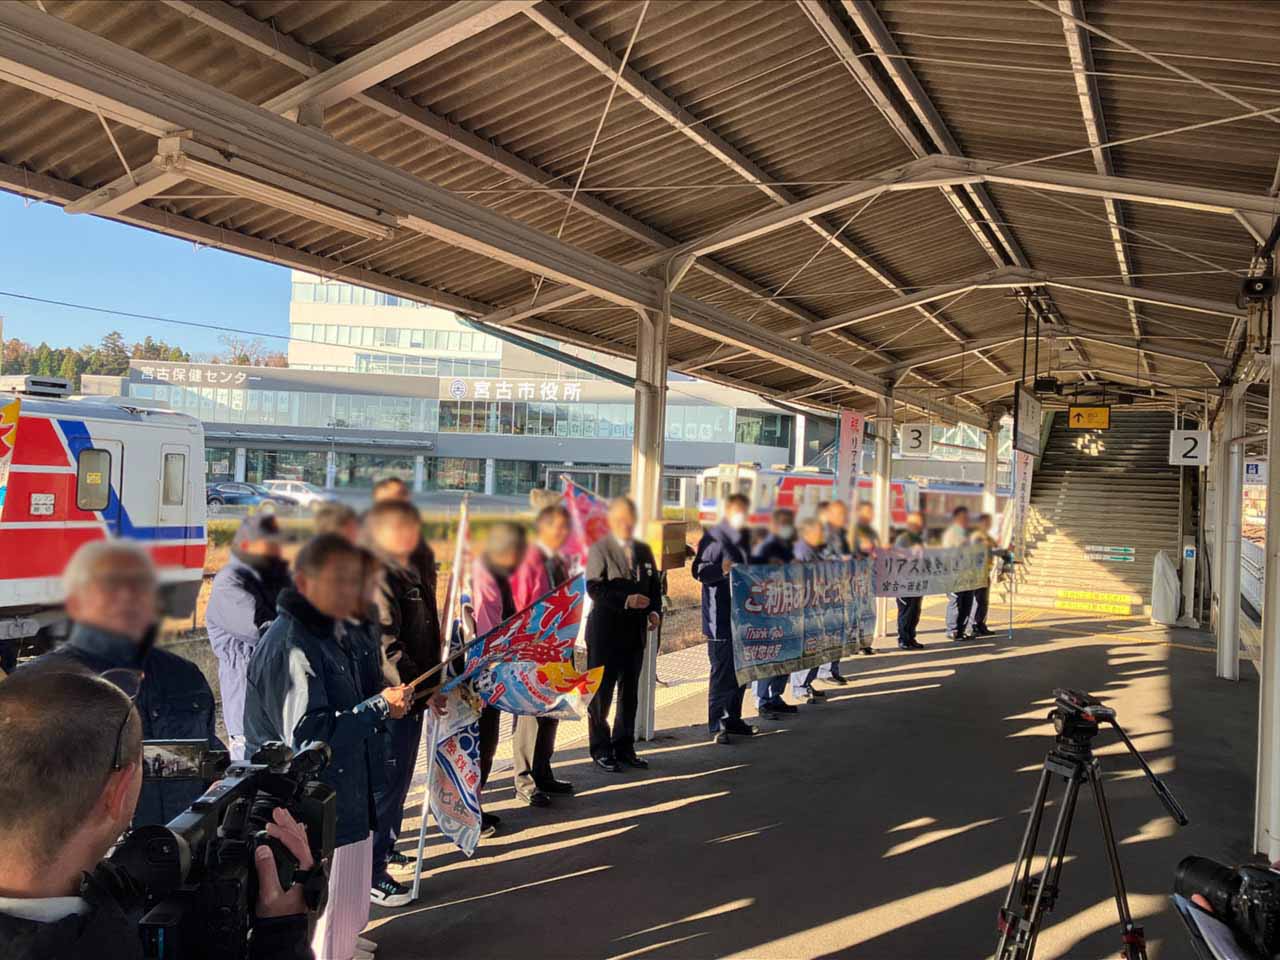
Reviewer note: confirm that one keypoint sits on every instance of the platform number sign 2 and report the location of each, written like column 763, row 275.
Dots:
column 916, row 439
column 1189, row 448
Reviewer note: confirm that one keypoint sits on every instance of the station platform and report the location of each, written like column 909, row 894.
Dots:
column 883, row 823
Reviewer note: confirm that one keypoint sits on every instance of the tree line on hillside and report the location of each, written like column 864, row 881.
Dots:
column 111, row 356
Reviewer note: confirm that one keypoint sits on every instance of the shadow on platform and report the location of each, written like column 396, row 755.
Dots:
column 881, row 824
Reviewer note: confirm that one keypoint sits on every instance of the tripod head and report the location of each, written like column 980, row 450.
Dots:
column 1077, row 718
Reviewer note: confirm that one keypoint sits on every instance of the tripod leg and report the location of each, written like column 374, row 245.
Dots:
column 1049, row 882
column 1022, row 866
column 1132, row 936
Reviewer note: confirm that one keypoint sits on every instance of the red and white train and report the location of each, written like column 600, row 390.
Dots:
column 777, row 488
column 87, row 468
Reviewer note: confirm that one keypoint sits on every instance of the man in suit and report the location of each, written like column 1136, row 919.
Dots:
column 912, row 538
column 720, row 548
column 626, row 602
column 542, row 569
column 776, row 548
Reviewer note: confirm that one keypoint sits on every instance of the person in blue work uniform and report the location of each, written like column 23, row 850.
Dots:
column 810, row 547
column 719, row 549
column 777, row 548
column 110, row 587
column 242, row 604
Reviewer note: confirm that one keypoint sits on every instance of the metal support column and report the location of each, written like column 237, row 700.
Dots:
column 799, row 458
column 991, row 469
column 1230, row 506
column 330, row 469
column 647, row 450
column 419, row 473
column 1267, row 819
column 882, row 493
column 238, row 471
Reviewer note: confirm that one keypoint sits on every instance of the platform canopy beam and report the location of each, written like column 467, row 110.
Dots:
column 446, row 28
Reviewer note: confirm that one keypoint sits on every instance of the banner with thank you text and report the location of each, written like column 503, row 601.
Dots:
column 788, row 617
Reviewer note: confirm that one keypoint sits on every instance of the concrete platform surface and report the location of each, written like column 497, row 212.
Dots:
column 881, row 824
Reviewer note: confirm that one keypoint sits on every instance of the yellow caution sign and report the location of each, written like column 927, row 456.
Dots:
column 1089, row 418
column 1085, row 606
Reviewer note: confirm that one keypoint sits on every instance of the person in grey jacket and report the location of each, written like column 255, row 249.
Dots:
column 242, row 605
column 311, row 679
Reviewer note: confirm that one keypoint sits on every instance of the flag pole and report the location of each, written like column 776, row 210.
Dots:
column 451, row 597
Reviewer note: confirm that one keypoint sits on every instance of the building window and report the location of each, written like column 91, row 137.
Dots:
column 93, row 479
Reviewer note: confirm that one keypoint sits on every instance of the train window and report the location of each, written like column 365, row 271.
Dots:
column 174, row 480
column 93, row 479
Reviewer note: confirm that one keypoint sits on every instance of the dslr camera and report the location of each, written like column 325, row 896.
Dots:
column 194, row 880
column 1246, row 898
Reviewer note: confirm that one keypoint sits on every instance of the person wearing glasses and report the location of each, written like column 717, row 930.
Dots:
column 110, row 586
column 70, row 775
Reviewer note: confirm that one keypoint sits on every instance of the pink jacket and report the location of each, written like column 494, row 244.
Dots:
column 486, row 598
column 530, row 581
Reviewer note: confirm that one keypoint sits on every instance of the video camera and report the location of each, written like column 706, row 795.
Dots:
column 1246, row 898
column 195, row 877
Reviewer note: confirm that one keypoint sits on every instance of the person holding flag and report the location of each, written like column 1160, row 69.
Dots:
column 494, row 603
column 542, row 569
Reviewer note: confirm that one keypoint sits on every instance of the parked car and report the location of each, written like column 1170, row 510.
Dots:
column 306, row 494
column 271, row 496
column 233, row 493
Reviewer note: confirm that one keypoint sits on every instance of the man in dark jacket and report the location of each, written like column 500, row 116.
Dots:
column 70, row 772
column 912, row 538
column 410, row 643
column 866, row 541
column 719, row 549
column 111, row 598
column 424, row 558
column 310, row 680
column 776, row 548
column 626, row 602
column 242, row 604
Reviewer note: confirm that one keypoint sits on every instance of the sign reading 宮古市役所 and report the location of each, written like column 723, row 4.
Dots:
column 1027, row 420
column 1096, row 417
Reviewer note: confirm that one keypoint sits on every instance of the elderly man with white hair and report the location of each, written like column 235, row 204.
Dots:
column 111, row 598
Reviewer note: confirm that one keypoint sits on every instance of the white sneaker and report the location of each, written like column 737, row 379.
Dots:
column 368, row 946
column 362, row 954
column 390, row 893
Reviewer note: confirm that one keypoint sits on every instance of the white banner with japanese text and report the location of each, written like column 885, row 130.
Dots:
column 923, row 571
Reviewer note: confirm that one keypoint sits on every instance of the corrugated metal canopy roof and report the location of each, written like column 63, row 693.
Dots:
column 723, row 112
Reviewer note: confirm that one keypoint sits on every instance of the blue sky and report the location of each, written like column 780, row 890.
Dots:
column 87, row 260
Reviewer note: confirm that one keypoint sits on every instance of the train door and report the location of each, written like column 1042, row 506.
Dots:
column 99, row 479
column 175, row 505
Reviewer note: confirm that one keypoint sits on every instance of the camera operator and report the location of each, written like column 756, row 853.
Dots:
column 308, row 680
column 111, row 598
column 70, row 776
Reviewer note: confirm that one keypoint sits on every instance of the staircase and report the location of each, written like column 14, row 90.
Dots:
column 1102, row 503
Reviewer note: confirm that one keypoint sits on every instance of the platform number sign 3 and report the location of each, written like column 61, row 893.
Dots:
column 916, row 439
column 1189, row 448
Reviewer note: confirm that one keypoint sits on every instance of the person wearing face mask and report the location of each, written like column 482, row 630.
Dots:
column 111, row 598
column 719, row 549
column 912, row 538
column 242, row 605
column 835, row 523
column 776, row 548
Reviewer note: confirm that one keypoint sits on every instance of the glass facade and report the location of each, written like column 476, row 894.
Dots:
column 451, row 342
column 425, row 366
column 305, row 465
column 345, row 293
column 762, row 428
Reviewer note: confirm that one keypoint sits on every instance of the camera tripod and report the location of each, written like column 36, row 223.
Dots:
column 1076, row 718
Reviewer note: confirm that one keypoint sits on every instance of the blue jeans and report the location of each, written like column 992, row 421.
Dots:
column 769, row 691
